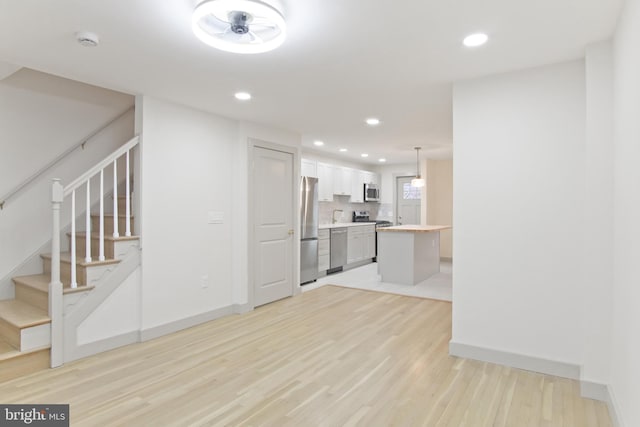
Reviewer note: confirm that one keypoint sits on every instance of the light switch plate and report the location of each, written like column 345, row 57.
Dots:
column 214, row 217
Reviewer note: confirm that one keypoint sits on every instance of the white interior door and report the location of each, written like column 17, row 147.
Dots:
column 407, row 201
column 273, row 219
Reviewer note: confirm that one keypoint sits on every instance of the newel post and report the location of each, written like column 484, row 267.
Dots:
column 55, row 286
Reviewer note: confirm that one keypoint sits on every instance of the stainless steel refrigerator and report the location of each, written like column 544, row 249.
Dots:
column 309, row 229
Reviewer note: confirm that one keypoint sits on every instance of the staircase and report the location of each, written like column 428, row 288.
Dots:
column 26, row 332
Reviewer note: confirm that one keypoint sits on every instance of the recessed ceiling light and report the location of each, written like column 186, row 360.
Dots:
column 343, row 150
column 382, row 160
column 475, row 40
column 364, row 155
column 318, row 143
column 243, row 96
column 239, row 26
column 372, row 121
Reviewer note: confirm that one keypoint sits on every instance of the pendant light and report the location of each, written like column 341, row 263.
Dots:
column 417, row 181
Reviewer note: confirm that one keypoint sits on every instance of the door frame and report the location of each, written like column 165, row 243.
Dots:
column 251, row 262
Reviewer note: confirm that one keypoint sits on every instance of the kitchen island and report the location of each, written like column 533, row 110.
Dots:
column 409, row 254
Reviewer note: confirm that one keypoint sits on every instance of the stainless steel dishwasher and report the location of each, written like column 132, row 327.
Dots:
column 338, row 248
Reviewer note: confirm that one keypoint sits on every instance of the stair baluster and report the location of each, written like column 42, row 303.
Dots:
column 101, row 244
column 74, row 283
column 87, row 249
column 115, row 199
column 127, row 201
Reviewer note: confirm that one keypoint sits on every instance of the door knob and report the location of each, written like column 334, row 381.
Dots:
column 290, row 232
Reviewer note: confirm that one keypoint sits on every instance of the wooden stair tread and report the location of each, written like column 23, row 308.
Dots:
column 22, row 315
column 66, row 257
column 40, row 282
column 8, row 352
column 96, row 235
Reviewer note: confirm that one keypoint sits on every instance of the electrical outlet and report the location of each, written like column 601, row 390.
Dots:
column 204, row 281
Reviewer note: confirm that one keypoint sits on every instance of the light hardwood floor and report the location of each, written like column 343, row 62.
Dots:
column 332, row 356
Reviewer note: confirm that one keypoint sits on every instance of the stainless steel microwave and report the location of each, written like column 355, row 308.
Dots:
column 371, row 193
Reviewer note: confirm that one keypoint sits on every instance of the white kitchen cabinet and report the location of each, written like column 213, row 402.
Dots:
column 325, row 182
column 357, row 186
column 324, row 250
column 309, row 168
column 341, row 181
column 355, row 244
column 369, row 241
column 371, row 178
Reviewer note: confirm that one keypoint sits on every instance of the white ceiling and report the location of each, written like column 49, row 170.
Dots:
column 343, row 60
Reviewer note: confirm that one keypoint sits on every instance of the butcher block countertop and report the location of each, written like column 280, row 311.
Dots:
column 414, row 228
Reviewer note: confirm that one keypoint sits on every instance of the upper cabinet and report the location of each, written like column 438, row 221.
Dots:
column 370, row 178
column 341, row 181
column 308, row 168
column 338, row 180
column 357, row 186
column 325, row 182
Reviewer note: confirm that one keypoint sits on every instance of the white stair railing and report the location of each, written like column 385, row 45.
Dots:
column 59, row 193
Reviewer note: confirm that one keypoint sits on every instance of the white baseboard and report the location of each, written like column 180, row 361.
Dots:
column 178, row 325
column 242, row 308
column 514, row 360
column 89, row 349
column 595, row 391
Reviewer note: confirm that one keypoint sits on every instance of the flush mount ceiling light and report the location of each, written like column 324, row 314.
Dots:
column 417, row 181
column 382, row 160
column 343, row 150
column 364, row 155
column 242, row 96
column 318, row 143
column 239, row 26
column 372, row 121
column 475, row 40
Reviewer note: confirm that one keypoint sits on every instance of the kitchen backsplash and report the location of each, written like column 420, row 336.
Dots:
column 382, row 211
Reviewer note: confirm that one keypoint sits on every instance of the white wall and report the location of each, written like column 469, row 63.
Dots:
column 186, row 171
column 625, row 351
column 41, row 116
column 598, row 215
column 519, row 155
column 193, row 162
column 117, row 315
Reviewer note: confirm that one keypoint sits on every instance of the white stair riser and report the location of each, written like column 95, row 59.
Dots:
column 108, row 224
column 27, row 338
column 35, row 337
column 32, row 296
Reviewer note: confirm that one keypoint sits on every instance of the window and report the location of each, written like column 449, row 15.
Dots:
column 409, row 192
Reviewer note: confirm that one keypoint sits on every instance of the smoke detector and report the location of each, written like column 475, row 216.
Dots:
column 87, row 39
column 239, row 26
